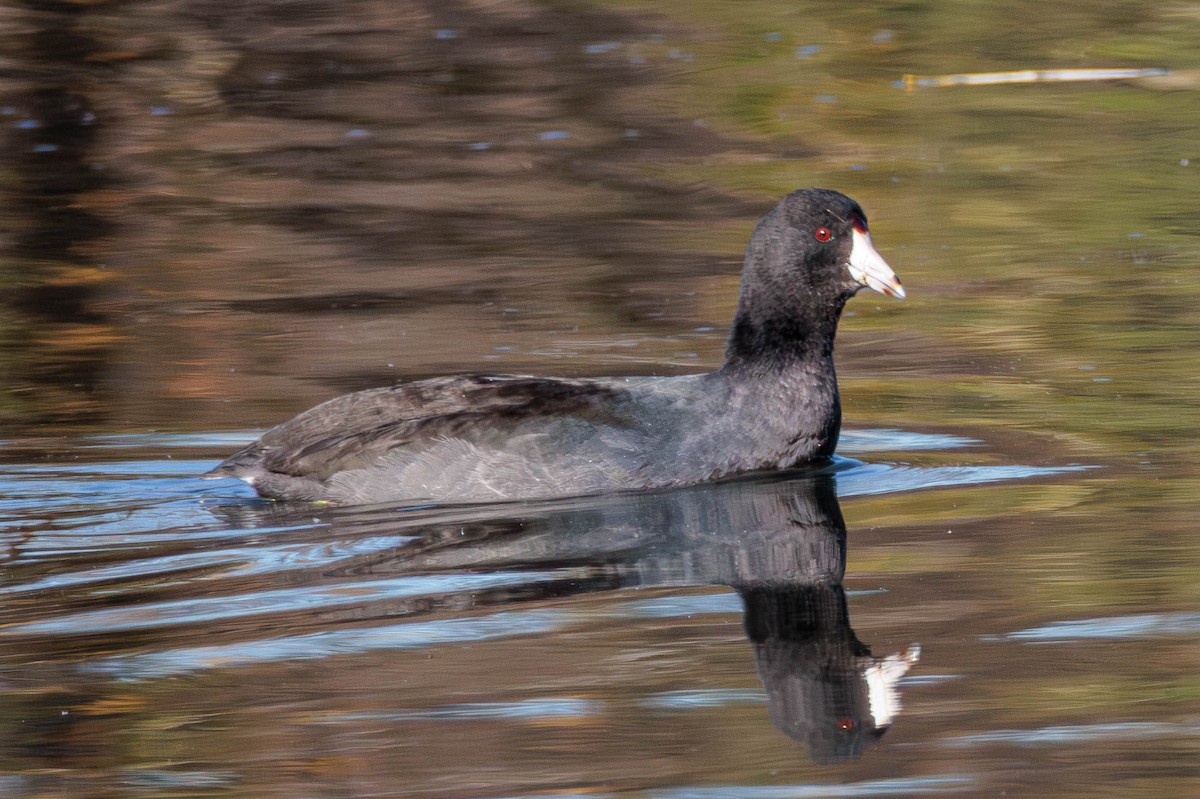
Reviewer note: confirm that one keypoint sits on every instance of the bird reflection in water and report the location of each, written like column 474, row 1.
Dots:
column 824, row 687
column 780, row 543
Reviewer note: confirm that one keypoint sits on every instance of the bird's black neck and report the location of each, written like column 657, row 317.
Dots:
column 773, row 342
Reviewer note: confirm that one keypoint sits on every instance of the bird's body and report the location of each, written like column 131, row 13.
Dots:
column 475, row 438
column 773, row 404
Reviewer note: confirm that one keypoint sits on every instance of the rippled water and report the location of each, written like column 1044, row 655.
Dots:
column 213, row 217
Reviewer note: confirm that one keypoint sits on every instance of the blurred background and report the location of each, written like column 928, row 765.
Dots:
column 215, row 215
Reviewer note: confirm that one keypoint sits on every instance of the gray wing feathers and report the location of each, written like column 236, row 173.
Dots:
column 358, row 430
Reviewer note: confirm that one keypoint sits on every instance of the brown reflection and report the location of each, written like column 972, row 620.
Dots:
column 58, row 334
column 301, row 197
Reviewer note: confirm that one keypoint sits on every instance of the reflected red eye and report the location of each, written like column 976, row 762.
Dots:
column 823, row 234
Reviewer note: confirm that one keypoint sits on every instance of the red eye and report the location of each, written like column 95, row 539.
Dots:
column 823, row 234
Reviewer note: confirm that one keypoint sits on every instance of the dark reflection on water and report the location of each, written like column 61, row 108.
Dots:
column 205, row 195
column 781, row 546
column 60, row 332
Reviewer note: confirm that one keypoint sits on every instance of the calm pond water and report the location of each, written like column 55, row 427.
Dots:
column 213, row 216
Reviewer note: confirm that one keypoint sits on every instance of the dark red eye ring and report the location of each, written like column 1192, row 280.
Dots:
column 823, row 234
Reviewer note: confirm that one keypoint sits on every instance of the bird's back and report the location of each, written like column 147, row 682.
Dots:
column 463, row 438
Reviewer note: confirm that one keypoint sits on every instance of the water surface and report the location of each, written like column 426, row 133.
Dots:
column 215, row 218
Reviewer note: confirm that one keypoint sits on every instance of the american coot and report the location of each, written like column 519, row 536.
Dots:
column 773, row 404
